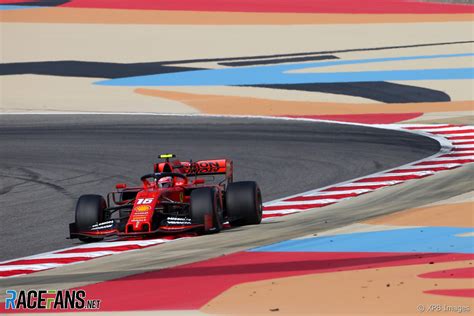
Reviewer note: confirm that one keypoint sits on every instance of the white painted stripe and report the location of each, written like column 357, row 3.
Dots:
column 288, row 211
column 444, row 129
column 460, row 134
column 356, row 184
column 35, row 267
column 282, row 203
column 451, row 158
column 94, row 254
column 105, row 244
column 447, row 165
column 421, row 125
column 464, row 146
column 354, row 191
column 413, row 173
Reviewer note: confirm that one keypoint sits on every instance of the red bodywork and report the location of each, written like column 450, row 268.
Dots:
column 150, row 203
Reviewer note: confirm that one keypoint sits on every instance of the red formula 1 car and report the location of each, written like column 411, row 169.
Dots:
column 175, row 198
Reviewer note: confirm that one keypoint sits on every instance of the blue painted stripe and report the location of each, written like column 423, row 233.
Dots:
column 4, row 7
column 278, row 74
column 423, row 239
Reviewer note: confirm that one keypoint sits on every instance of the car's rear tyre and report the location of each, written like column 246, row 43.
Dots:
column 89, row 211
column 243, row 201
column 205, row 209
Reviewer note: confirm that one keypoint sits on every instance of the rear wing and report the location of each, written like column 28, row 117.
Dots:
column 199, row 168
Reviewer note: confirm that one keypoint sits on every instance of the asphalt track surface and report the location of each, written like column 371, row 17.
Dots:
column 48, row 161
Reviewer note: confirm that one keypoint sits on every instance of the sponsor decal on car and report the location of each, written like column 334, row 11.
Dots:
column 178, row 221
column 103, row 225
column 142, row 208
column 202, row 167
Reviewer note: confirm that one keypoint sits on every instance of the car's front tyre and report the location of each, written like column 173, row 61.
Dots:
column 89, row 211
column 205, row 209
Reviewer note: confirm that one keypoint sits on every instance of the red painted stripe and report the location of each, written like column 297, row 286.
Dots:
column 274, row 215
column 164, row 289
column 431, row 127
column 463, row 143
column 112, row 248
column 453, row 292
column 371, row 187
column 320, row 197
column 392, row 178
column 15, row 272
column 380, row 118
column 294, row 206
column 424, row 169
column 461, row 273
column 46, row 260
column 461, row 137
column 442, row 162
column 463, row 131
column 297, row 6
column 458, row 155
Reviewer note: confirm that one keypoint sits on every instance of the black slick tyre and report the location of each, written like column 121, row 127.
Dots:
column 89, row 211
column 243, row 202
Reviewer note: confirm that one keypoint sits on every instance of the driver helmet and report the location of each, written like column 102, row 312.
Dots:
column 165, row 182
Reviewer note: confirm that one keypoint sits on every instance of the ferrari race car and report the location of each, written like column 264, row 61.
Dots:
column 174, row 198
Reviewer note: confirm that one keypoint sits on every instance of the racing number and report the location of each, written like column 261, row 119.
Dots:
column 144, row 201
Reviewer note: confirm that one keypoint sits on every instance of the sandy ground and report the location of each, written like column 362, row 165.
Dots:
column 134, row 43
column 393, row 290
column 462, row 117
column 389, row 291
column 432, row 63
column 50, row 93
column 25, row 42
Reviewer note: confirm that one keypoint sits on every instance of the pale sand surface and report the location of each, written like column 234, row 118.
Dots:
column 50, row 93
column 460, row 117
column 394, row 290
column 429, row 63
column 135, row 43
column 458, row 48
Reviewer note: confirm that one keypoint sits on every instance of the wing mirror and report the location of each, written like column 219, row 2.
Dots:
column 119, row 186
